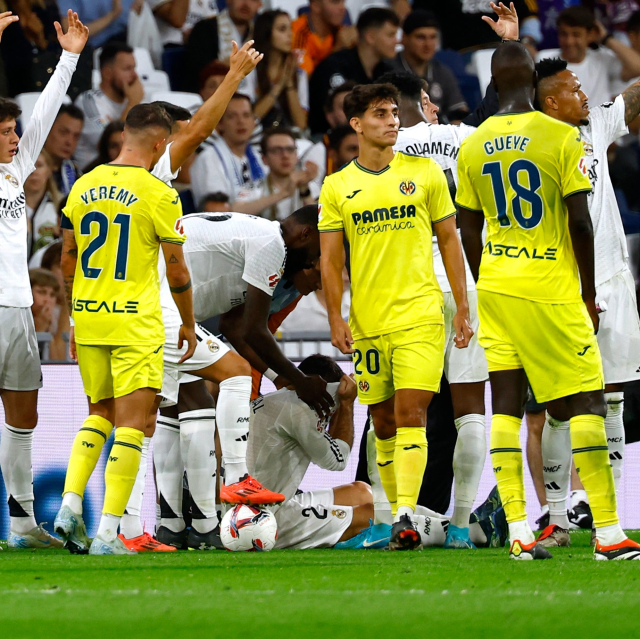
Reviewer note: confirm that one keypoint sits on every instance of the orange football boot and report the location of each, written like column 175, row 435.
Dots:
column 625, row 550
column 145, row 543
column 249, row 491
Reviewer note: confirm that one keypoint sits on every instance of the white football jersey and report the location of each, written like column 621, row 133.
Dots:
column 14, row 273
column 162, row 169
column 285, row 436
column 440, row 142
column 225, row 252
column 606, row 124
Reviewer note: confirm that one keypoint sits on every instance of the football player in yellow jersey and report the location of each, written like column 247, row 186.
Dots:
column 388, row 205
column 116, row 219
column 525, row 174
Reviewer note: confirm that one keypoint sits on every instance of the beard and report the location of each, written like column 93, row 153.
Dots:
column 297, row 259
column 584, row 122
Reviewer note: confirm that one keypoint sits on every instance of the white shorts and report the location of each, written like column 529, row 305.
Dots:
column 311, row 520
column 209, row 349
column 463, row 365
column 19, row 356
column 619, row 332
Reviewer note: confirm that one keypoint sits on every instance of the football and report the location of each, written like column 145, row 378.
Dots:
column 248, row 529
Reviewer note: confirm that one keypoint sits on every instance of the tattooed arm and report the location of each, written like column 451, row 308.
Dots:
column 68, row 262
column 631, row 99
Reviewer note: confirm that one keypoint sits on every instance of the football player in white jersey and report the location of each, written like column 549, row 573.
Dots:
column 560, row 96
column 286, row 436
column 20, row 374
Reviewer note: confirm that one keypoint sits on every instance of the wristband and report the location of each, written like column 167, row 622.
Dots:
column 270, row 375
column 305, row 193
column 71, row 322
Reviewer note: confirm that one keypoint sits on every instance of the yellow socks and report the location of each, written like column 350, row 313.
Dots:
column 506, row 459
column 122, row 468
column 85, row 453
column 591, row 456
column 385, row 450
column 410, row 461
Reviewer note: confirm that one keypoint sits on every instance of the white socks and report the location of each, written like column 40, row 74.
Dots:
column 15, row 463
column 521, row 531
column 381, row 506
column 433, row 529
column 108, row 528
column 198, row 452
column 233, row 410
column 610, row 535
column 556, row 468
column 614, row 425
column 73, row 501
column 131, row 524
column 169, row 472
column 468, row 461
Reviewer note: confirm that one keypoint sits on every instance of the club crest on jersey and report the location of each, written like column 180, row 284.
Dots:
column 340, row 514
column 407, row 187
column 588, row 148
column 363, row 385
column 9, row 178
column 213, row 347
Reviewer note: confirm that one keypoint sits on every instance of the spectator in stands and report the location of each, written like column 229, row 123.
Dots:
column 320, row 32
column 120, row 90
column 211, row 78
column 231, row 165
column 282, row 96
column 176, row 18
column 278, row 146
column 210, row 40
column 333, row 111
column 600, row 70
column 61, row 145
column 217, row 202
column 377, row 28
column 109, row 146
column 42, row 200
column 106, row 19
column 421, row 33
column 462, row 28
column 45, row 288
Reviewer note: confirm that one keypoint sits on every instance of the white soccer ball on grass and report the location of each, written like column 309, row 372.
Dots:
column 249, row 529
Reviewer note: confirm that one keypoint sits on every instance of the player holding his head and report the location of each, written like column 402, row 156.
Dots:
column 525, row 173
column 116, row 219
column 20, row 374
column 560, row 96
column 388, row 205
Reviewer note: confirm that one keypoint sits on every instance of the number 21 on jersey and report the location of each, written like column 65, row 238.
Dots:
column 524, row 178
column 123, row 221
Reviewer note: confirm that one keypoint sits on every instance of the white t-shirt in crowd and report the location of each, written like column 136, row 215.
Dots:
column 99, row 111
column 225, row 253
column 15, row 289
column 285, row 436
column 198, row 10
column 599, row 72
column 311, row 315
column 606, row 124
column 285, row 207
column 441, row 142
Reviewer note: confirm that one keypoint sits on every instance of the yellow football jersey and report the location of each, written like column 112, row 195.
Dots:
column 119, row 215
column 517, row 169
column 387, row 218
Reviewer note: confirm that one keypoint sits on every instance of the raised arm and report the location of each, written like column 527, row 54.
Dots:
column 631, row 99
column 206, row 118
column 331, row 267
column 174, row 12
column 451, row 251
column 629, row 58
column 50, row 101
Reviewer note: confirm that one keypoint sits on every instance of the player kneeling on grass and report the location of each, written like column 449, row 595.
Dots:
column 286, row 436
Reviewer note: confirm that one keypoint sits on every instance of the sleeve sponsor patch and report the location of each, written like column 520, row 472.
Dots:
column 582, row 166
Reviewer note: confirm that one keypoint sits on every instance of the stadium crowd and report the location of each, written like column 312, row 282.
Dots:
column 273, row 79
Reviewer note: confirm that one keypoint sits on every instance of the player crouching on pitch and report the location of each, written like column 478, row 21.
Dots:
column 285, row 437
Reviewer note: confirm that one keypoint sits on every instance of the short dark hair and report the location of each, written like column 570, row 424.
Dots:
column 321, row 365
column 376, row 18
column 9, row 110
column 364, row 95
column 408, row 84
column 269, row 133
column 337, row 135
column 577, row 17
column 418, row 20
column 241, row 96
column 110, row 51
column 345, row 87
column 176, row 113
column 549, row 67
column 44, row 278
column 218, row 196
column 307, row 215
column 633, row 23
column 145, row 116
column 72, row 111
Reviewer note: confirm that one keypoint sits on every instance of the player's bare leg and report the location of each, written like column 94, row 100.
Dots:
column 468, row 458
column 21, row 417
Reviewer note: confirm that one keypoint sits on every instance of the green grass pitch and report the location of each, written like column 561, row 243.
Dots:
column 318, row 593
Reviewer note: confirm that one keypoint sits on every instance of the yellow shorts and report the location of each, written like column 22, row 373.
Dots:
column 554, row 343
column 115, row 371
column 412, row 358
